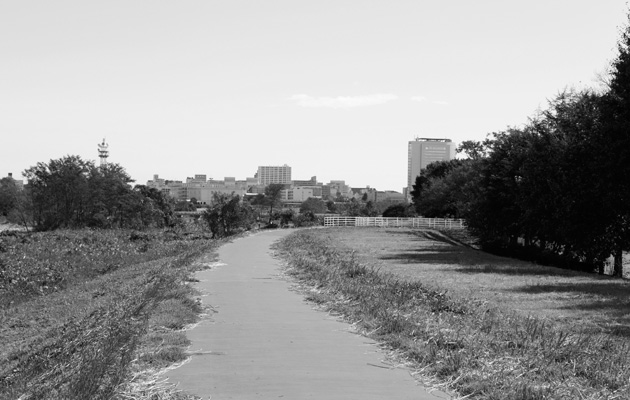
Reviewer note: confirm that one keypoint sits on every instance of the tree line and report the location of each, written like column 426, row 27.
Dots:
column 73, row 193
column 557, row 188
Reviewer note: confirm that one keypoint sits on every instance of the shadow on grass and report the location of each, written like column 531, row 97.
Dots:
column 608, row 289
column 433, row 248
column 608, row 297
column 520, row 269
column 437, row 255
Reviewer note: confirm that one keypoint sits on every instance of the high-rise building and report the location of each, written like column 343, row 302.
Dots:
column 271, row 174
column 424, row 151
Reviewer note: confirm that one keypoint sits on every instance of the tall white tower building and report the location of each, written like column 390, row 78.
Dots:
column 424, row 151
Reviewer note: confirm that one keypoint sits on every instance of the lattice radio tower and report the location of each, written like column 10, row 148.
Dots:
column 103, row 153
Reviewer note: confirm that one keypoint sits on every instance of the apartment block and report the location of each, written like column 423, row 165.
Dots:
column 274, row 174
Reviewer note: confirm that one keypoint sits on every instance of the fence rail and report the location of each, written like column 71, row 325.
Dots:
column 395, row 222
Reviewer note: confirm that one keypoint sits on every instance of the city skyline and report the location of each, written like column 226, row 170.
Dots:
column 333, row 88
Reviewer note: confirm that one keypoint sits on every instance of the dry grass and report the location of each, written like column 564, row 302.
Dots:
column 475, row 345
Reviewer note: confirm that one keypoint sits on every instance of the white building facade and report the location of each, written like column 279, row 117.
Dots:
column 274, row 174
column 424, row 151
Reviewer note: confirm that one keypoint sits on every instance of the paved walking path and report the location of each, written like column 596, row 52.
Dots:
column 265, row 342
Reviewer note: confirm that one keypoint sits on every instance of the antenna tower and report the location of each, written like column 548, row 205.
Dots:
column 103, row 153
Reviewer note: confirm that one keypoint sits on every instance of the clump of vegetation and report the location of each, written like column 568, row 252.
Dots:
column 73, row 193
column 228, row 215
column 464, row 344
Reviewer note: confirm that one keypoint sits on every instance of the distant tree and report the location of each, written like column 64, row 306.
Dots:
column 286, row 217
column 369, row 209
column 111, row 202
column 15, row 203
column 157, row 207
column 59, row 192
column 226, row 215
column 357, row 208
column 331, row 206
column 400, row 210
column 352, row 208
column 8, row 194
column 314, row 205
column 272, row 197
column 307, row 219
column 184, row 206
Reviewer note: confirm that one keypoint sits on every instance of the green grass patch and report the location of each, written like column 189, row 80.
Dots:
column 465, row 343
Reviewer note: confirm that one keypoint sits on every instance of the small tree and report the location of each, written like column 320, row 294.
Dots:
column 14, row 203
column 331, row 206
column 227, row 214
column 272, row 197
column 286, row 217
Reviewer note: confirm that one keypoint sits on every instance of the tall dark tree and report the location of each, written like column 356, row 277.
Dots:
column 59, row 191
column 111, row 201
column 616, row 111
column 432, row 173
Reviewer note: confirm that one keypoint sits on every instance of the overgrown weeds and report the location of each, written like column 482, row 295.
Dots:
column 469, row 346
column 97, row 333
column 35, row 264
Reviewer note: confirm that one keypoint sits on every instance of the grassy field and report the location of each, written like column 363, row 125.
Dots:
column 483, row 326
column 96, row 314
column 564, row 296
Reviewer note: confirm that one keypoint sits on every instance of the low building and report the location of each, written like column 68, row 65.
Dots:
column 300, row 194
column 200, row 188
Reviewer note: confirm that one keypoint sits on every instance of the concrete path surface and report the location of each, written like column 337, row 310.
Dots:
column 264, row 342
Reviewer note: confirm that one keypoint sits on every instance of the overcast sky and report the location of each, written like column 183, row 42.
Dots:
column 334, row 89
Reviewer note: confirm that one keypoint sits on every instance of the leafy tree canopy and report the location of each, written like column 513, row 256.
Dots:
column 314, row 205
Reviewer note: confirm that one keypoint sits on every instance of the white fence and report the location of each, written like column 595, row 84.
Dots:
column 395, row 222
